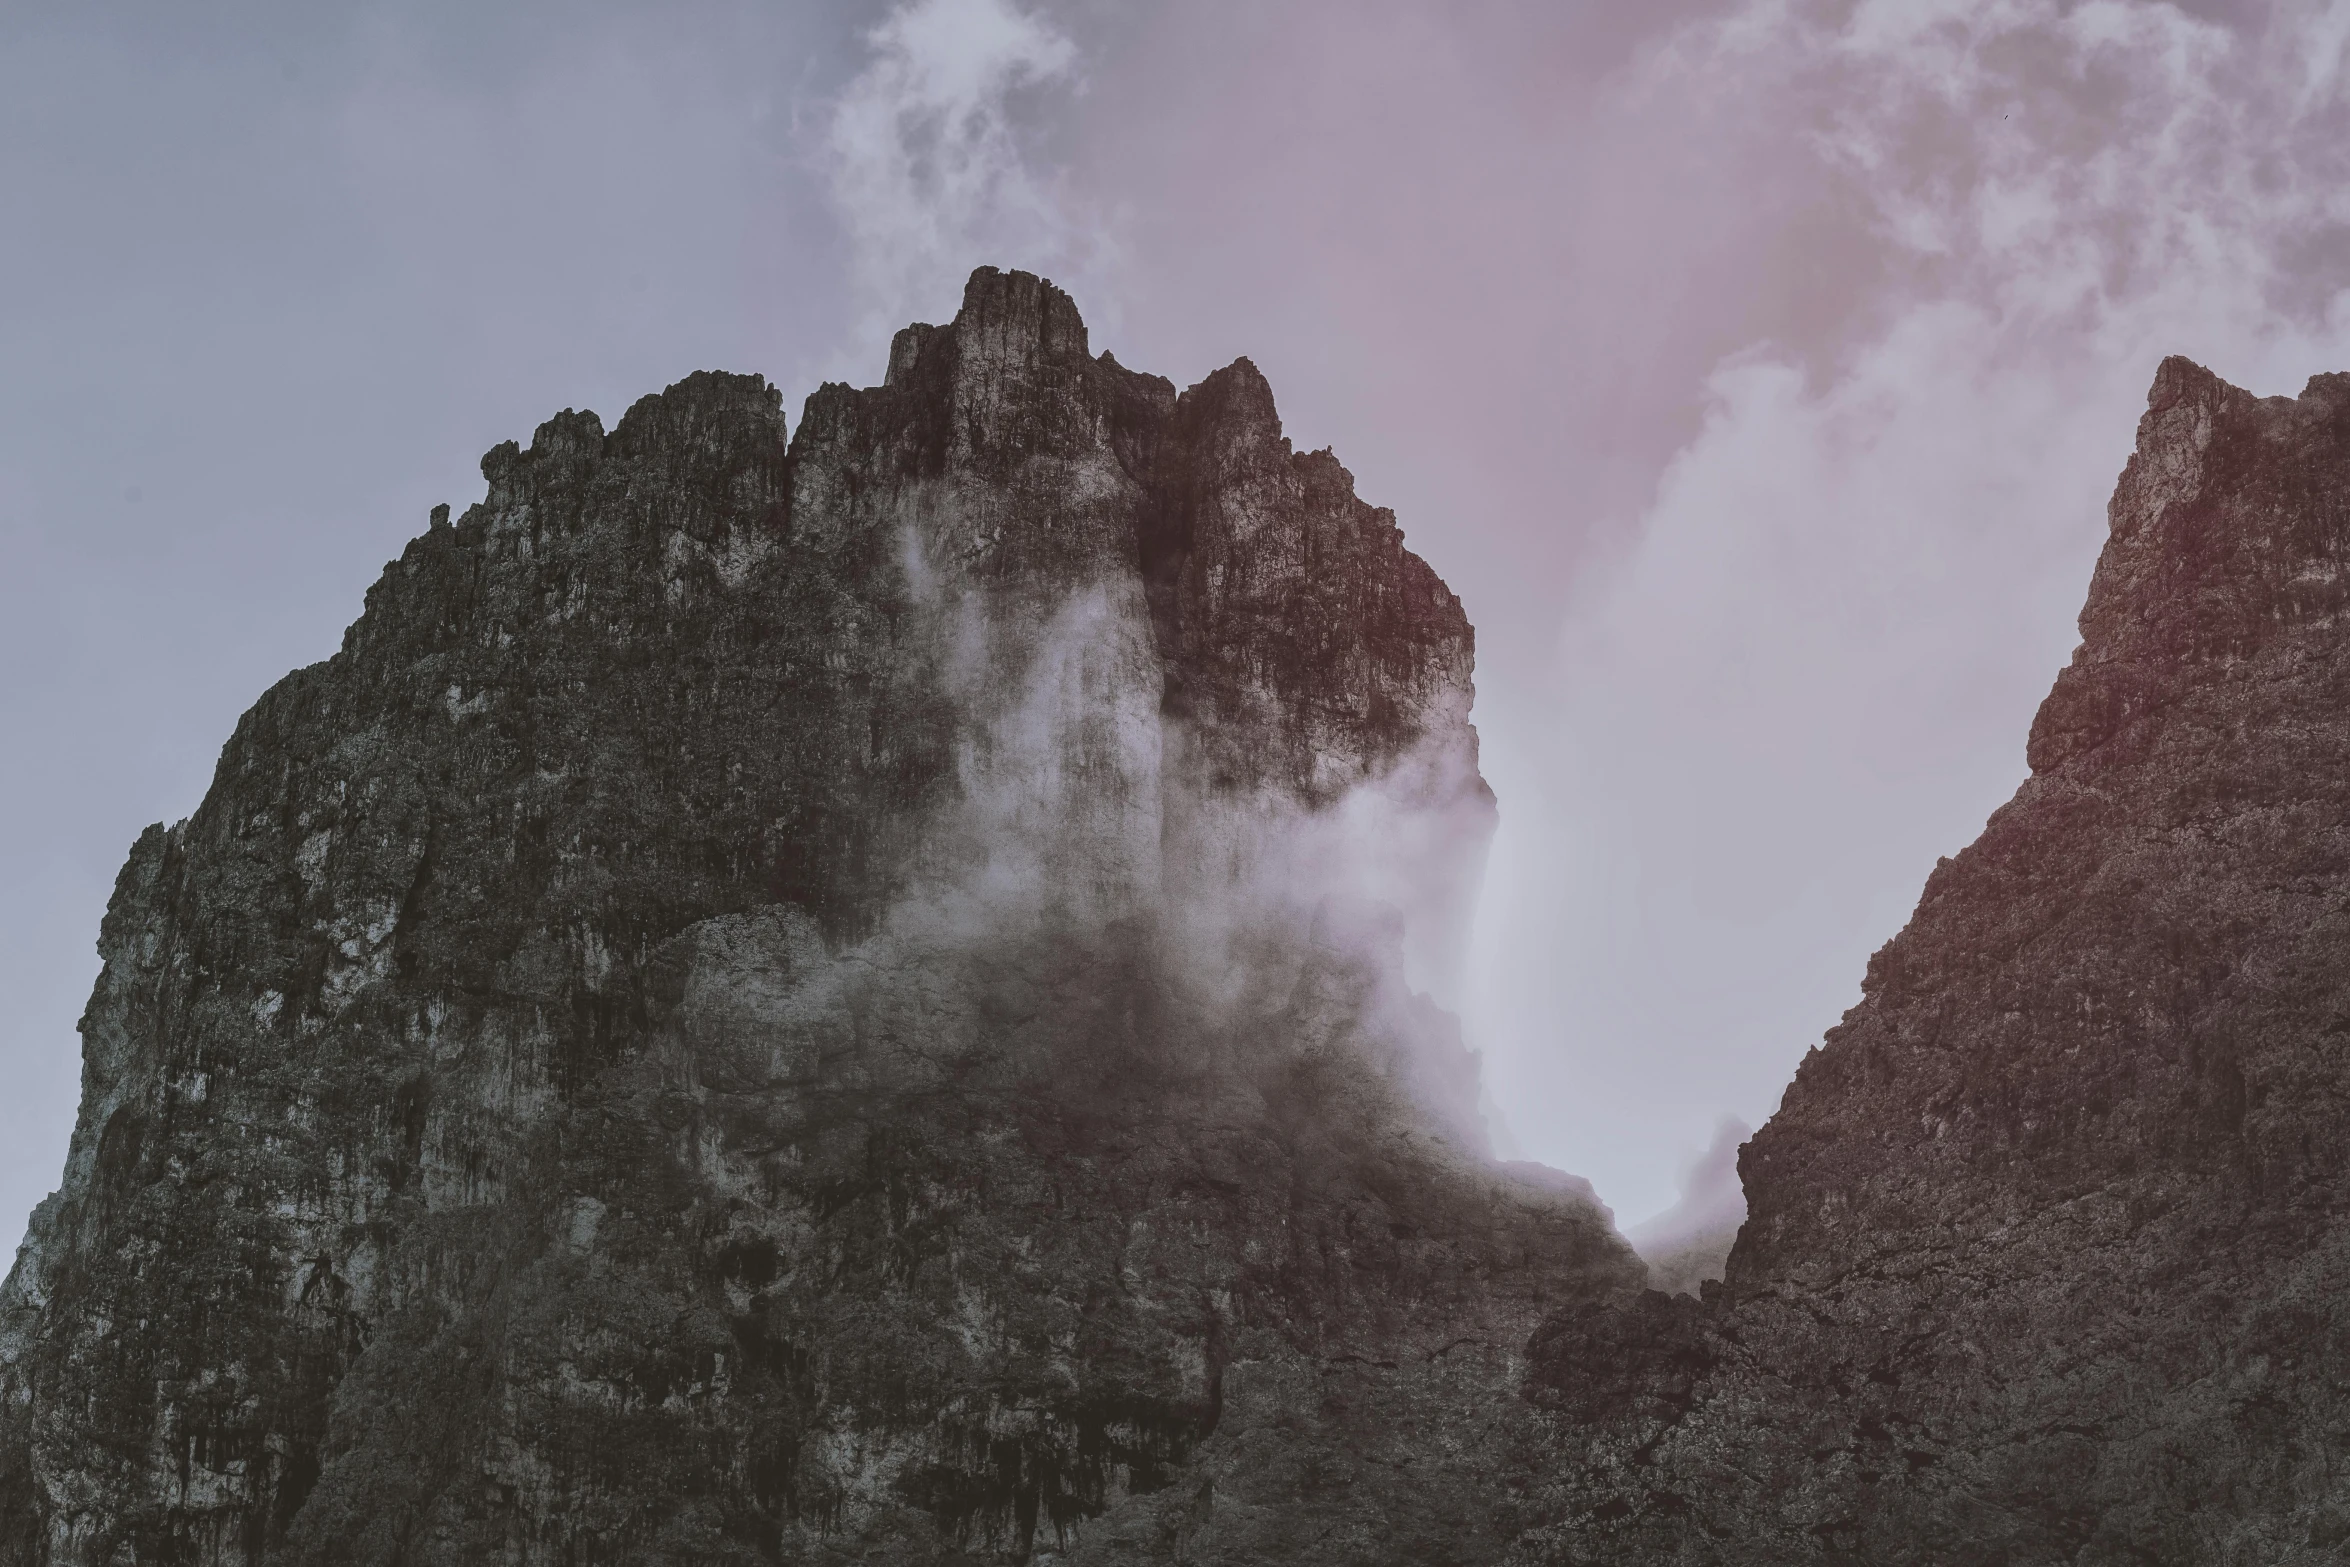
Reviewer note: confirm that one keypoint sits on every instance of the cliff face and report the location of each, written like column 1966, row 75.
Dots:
column 2047, row 1257
column 784, row 1000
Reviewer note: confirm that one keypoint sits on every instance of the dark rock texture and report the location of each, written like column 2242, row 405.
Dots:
column 2047, row 1258
column 814, row 1002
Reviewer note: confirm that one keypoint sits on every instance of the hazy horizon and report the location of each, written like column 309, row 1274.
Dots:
column 1755, row 372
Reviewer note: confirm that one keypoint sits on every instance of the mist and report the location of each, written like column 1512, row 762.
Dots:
column 1755, row 373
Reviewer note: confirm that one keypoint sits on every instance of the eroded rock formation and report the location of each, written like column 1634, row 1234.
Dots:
column 823, row 1000
column 2047, row 1257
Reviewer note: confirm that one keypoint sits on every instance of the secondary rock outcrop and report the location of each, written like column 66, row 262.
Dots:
column 2048, row 1248
column 816, row 1000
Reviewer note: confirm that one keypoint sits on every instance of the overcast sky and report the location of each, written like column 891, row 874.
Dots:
column 1756, row 371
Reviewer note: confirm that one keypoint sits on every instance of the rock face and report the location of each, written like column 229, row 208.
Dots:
column 814, row 1001
column 2047, row 1257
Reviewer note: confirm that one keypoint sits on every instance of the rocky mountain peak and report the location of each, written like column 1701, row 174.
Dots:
column 796, row 998
column 2047, row 1238
column 2223, row 540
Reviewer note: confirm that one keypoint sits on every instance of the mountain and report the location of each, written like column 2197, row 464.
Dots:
column 875, row 996
column 859, row 997
column 2046, row 1256
column 1689, row 1243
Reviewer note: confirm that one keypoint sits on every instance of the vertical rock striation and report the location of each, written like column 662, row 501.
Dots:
column 2048, row 1248
column 811, row 1000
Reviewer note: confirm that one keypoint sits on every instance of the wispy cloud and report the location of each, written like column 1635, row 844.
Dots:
column 933, row 162
column 2111, row 166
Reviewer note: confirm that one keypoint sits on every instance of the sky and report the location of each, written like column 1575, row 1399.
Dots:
column 1755, row 370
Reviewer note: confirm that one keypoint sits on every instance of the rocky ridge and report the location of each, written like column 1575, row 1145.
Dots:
column 823, row 999
column 2046, row 1258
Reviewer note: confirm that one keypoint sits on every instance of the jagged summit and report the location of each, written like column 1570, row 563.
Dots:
column 796, row 994
column 1010, row 322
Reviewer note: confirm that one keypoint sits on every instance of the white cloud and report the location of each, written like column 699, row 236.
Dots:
column 932, row 168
